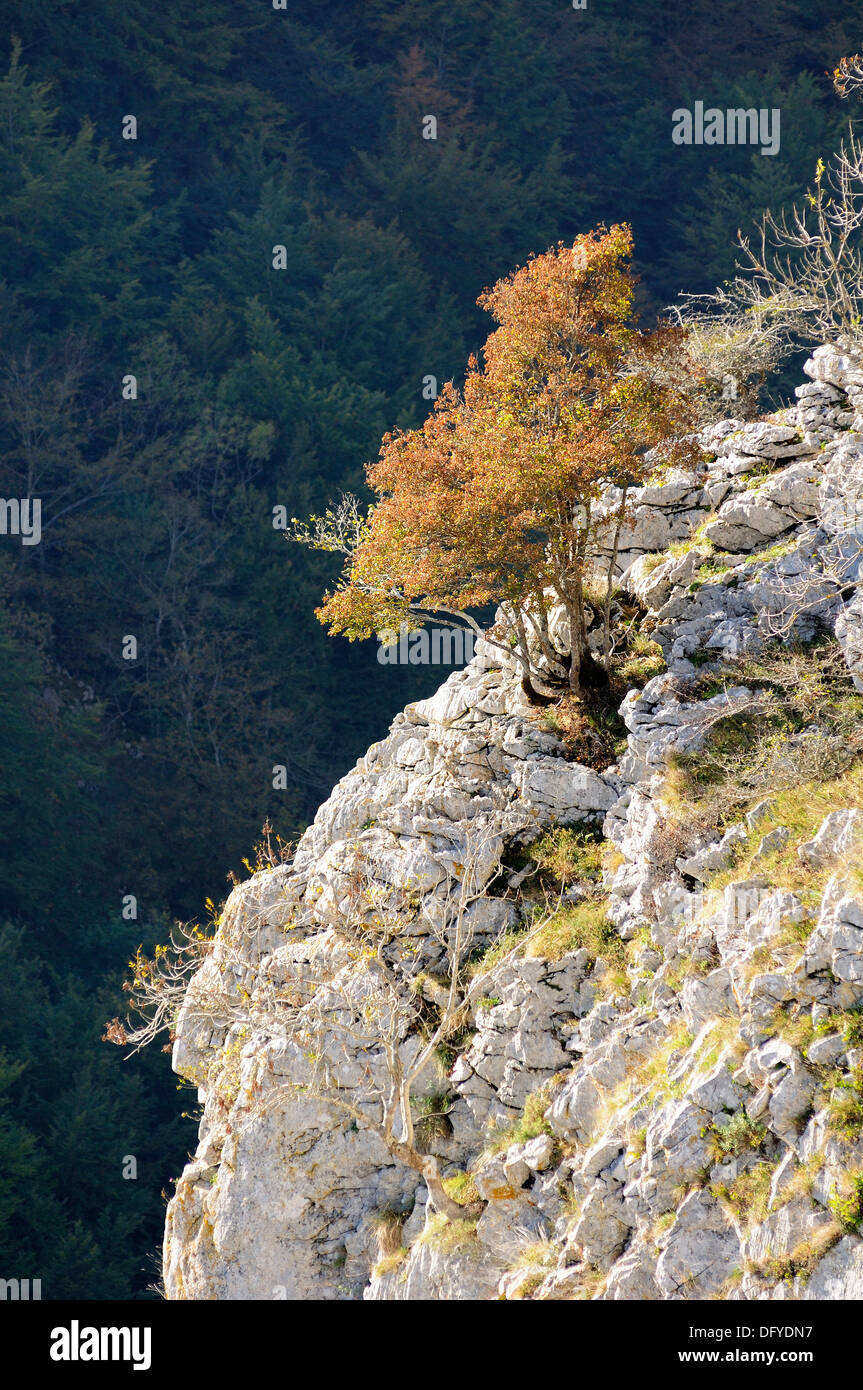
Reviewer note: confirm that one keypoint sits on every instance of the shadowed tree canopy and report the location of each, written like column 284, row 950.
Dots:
column 259, row 389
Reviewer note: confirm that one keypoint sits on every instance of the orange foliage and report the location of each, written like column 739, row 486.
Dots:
column 494, row 498
column 418, row 92
column 848, row 76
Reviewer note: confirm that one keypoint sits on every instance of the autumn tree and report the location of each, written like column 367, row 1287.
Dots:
column 514, row 487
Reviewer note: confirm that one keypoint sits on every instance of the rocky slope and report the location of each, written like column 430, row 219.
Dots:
column 675, row 1113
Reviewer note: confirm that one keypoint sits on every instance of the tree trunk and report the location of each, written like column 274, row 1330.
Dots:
column 577, row 639
column 440, row 1197
column 536, row 689
column 609, row 584
column 427, row 1165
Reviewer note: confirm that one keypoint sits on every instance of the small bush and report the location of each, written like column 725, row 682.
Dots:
column 567, row 855
column 640, row 661
column 638, row 1142
column 747, row 1196
column 739, row 1136
column 845, row 1106
column 748, row 755
column 387, row 1226
column 462, row 1188
column 651, row 562
column 802, row 1260
column 589, row 726
column 446, row 1235
column 388, row 1263
column 697, row 538
column 530, row 1124
column 851, row 1025
column 846, row 1202
column 484, row 961
column 584, row 925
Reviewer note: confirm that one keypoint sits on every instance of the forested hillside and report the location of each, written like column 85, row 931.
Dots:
column 258, row 388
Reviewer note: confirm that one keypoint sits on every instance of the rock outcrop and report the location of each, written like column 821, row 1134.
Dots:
column 689, row 1121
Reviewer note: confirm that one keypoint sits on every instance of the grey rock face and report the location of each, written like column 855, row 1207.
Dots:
column 658, row 1087
column 698, row 1251
column 839, row 1274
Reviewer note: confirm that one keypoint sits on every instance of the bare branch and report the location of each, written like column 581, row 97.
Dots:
column 341, row 528
column 803, row 271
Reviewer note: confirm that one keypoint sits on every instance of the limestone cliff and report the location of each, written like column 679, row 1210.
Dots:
column 667, row 1102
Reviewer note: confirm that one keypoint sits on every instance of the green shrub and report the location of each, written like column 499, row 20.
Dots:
column 462, row 1188
column 748, row 1195
column 846, row 1202
column 845, row 1106
column 581, row 925
column 568, row 854
column 741, row 1135
column 530, row 1124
